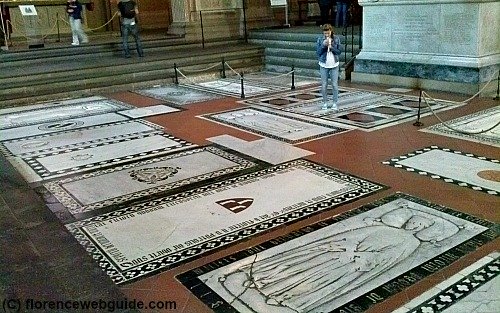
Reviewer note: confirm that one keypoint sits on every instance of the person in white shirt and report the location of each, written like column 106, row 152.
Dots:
column 328, row 52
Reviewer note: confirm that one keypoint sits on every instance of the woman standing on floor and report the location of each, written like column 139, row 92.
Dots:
column 328, row 52
column 74, row 9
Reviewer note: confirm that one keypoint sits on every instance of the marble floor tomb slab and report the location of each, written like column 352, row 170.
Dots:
column 346, row 263
column 189, row 224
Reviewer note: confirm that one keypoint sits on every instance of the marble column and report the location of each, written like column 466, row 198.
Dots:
column 449, row 45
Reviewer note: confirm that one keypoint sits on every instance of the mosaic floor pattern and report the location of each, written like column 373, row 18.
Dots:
column 70, row 161
column 63, row 125
column 475, row 122
column 274, row 125
column 186, row 225
column 177, row 95
column 452, row 166
column 475, row 289
column 30, row 146
column 364, row 109
column 60, row 110
column 146, row 178
column 344, row 264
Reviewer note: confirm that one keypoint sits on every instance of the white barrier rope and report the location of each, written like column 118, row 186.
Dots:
column 425, row 95
column 237, row 74
column 27, row 37
column 202, row 70
column 179, row 71
column 478, row 93
column 269, row 78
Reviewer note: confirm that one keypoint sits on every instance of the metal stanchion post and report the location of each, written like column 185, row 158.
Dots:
column 58, row 30
column 223, row 68
column 202, row 33
column 242, row 86
column 418, row 123
column 293, row 77
column 498, row 87
column 176, row 77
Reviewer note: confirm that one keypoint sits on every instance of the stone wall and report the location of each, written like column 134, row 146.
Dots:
column 436, row 44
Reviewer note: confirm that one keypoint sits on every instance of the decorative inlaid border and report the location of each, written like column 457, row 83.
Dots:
column 394, row 162
column 115, row 106
column 461, row 289
column 362, row 189
column 193, row 283
column 445, row 131
column 335, row 129
column 44, row 173
column 5, row 151
column 74, row 206
column 170, row 101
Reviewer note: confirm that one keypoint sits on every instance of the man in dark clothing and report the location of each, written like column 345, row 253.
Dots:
column 325, row 6
column 128, row 12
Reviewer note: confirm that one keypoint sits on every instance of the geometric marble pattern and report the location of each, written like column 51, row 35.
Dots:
column 265, row 149
column 175, row 94
column 452, row 166
column 61, row 110
column 472, row 123
column 475, row 289
column 76, row 138
column 132, row 181
column 343, row 264
column 360, row 108
column 274, row 125
column 142, row 239
column 77, row 159
column 52, row 127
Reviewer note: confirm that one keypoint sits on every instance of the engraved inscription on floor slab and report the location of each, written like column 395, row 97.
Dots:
column 177, row 94
column 81, row 137
column 141, row 179
column 342, row 263
column 475, row 289
column 288, row 129
column 63, row 110
column 186, row 225
column 57, row 164
column 52, row 127
column 456, row 167
column 474, row 125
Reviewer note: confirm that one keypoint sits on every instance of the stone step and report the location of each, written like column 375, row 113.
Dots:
column 25, row 58
column 310, row 63
column 24, row 89
column 103, row 68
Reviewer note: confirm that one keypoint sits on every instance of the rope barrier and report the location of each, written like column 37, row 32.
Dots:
column 269, row 78
column 179, row 71
column 202, row 70
column 105, row 24
column 425, row 95
column 237, row 74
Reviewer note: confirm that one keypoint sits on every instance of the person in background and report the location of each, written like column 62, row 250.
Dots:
column 341, row 16
column 128, row 12
column 328, row 52
column 74, row 9
column 325, row 6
